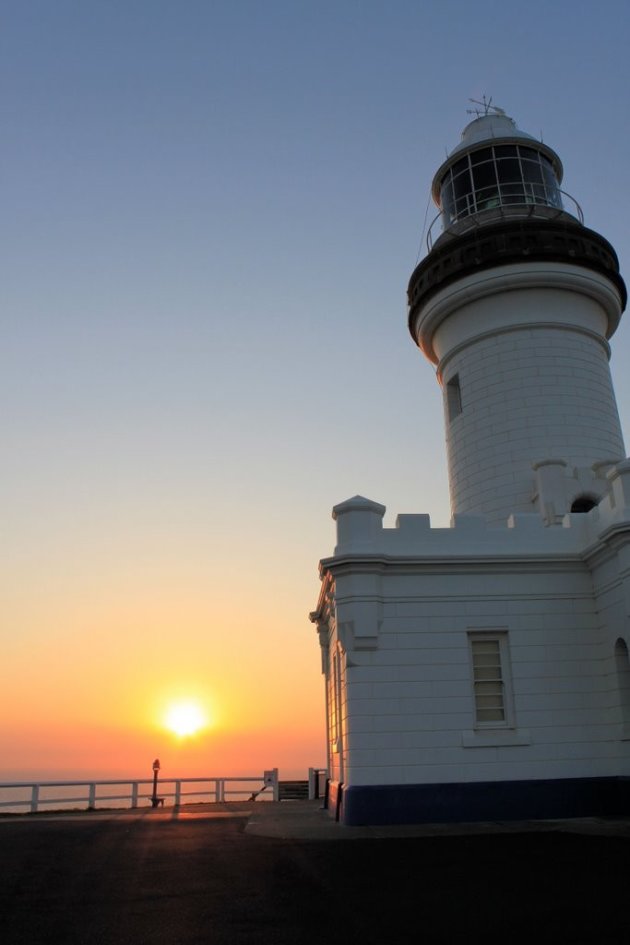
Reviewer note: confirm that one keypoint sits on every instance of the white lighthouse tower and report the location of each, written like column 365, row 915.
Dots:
column 481, row 671
column 514, row 305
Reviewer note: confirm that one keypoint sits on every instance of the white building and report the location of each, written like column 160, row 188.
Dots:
column 481, row 671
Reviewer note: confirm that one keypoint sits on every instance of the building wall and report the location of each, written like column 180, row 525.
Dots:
column 404, row 604
column 410, row 699
column 611, row 579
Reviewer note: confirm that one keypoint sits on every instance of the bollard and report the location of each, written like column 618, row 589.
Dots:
column 155, row 800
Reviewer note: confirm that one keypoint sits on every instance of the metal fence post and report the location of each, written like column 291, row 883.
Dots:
column 34, row 798
column 134, row 794
column 275, row 784
column 92, row 797
column 178, row 792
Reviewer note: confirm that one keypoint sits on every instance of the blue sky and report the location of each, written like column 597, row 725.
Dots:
column 210, row 212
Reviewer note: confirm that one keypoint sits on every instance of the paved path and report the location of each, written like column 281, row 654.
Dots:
column 278, row 875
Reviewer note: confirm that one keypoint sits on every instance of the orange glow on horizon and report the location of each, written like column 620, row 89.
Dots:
column 95, row 708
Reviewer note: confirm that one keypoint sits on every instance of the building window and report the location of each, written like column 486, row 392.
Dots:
column 622, row 664
column 453, row 397
column 491, row 679
column 336, row 702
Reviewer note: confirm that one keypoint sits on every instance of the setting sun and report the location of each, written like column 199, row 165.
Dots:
column 185, row 718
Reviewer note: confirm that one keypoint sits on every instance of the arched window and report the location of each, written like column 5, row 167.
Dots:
column 622, row 664
column 583, row 503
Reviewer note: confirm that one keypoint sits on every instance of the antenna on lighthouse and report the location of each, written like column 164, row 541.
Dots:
column 486, row 105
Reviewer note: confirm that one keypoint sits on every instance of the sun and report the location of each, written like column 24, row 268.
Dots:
column 185, row 718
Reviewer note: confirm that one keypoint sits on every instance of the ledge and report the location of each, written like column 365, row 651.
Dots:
column 498, row 738
column 511, row 241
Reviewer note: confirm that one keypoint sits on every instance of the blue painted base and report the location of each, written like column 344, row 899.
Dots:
column 487, row 800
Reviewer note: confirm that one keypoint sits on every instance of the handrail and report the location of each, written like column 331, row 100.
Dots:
column 216, row 790
column 505, row 208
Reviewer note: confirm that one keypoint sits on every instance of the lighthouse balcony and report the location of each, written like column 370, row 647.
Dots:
column 512, row 237
column 510, row 203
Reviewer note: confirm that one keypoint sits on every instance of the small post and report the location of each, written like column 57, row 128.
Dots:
column 275, row 784
column 178, row 793
column 155, row 800
column 34, row 798
column 92, row 797
column 217, row 791
column 134, row 793
column 313, row 783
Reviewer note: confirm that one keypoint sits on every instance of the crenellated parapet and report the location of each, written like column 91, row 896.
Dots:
column 361, row 532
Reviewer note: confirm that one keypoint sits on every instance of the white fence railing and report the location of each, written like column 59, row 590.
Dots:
column 17, row 795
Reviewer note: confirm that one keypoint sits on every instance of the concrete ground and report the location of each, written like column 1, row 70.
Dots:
column 285, row 874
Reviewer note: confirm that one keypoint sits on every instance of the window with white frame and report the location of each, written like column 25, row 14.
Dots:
column 491, row 679
column 336, row 702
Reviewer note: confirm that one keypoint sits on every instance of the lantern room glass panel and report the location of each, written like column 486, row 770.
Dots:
column 503, row 175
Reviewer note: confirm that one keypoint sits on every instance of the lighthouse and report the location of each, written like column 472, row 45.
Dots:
column 481, row 671
column 514, row 305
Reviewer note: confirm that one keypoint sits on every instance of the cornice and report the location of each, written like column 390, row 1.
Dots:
column 498, row 563
column 506, row 243
column 325, row 593
column 502, row 278
column 608, row 543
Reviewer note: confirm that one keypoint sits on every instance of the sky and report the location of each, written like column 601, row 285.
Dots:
column 210, row 213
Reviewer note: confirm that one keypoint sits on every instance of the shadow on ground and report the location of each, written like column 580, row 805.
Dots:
column 164, row 880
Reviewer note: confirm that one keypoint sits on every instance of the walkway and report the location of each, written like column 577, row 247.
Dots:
column 263, row 874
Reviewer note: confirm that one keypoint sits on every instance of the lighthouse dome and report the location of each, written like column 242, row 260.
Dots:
column 490, row 126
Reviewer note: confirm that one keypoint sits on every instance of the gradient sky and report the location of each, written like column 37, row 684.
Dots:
column 210, row 212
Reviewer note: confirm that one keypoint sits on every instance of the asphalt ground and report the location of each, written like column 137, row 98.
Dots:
column 286, row 875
